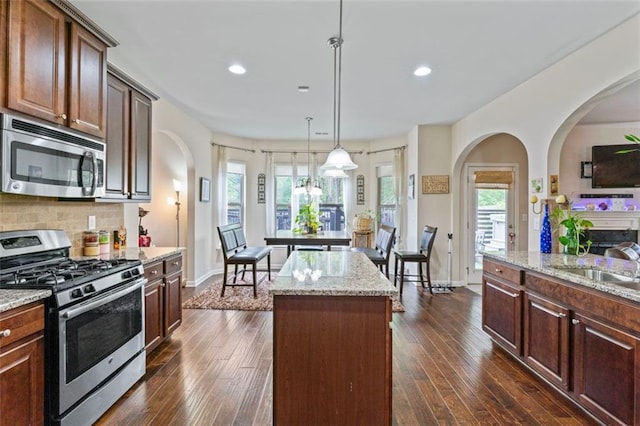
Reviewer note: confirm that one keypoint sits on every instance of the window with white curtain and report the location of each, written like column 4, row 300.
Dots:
column 386, row 204
column 235, row 192
column 331, row 203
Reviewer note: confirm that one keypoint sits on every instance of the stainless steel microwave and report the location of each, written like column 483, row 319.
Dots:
column 38, row 159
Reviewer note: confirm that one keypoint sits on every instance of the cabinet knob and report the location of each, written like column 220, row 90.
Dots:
column 561, row 315
column 154, row 272
column 175, row 263
column 75, row 120
column 575, row 322
column 5, row 333
column 163, row 285
column 498, row 270
column 63, row 116
column 515, row 294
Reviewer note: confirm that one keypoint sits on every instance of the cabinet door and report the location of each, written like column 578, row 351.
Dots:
column 22, row 383
column 36, row 64
column 154, row 321
column 173, row 302
column 546, row 339
column 117, row 170
column 502, row 313
column 606, row 371
column 140, row 146
column 87, row 82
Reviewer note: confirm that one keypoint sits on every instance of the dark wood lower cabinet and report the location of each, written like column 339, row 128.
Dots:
column 22, row 366
column 584, row 342
column 332, row 360
column 606, row 368
column 502, row 312
column 163, row 300
column 546, row 339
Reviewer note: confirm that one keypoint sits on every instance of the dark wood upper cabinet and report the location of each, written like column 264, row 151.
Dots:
column 37, row 60
column 56, row 67
column 87, row 83
column 128, row 173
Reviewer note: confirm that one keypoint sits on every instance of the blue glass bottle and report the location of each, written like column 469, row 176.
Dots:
column 545, row 232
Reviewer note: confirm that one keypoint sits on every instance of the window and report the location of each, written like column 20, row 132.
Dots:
column 331, row 204
column 235, row 193
column 386, row 195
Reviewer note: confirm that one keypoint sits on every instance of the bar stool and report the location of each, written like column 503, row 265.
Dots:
column 419, row 257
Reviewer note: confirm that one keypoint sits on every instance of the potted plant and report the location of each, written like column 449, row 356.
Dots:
column 307, row 219
column 363, row 220
column 574, row 226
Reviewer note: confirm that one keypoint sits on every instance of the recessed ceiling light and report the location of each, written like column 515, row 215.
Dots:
column 303, row 89
column 422, row 71
column 237, row 69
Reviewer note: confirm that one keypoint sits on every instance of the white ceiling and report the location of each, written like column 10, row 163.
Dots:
column 477, row 49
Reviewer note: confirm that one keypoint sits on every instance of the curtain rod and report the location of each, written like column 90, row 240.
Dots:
column 385, row 150
column 326, row 151
column 233, row 147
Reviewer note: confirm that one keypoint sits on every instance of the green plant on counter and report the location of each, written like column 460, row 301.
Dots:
column 307, row 219
column 574, row 225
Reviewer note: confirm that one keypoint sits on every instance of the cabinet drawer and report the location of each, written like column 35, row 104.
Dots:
column 173, row 264
column 20, row 322
column 501, row 270
column 153, row 271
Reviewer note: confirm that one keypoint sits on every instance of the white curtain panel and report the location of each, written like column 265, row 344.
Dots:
column 295, row 205
column 401, row 193
column 222, row 185
column 270, row 195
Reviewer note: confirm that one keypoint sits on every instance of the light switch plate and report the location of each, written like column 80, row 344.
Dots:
column 536, row 223
column 91, row 222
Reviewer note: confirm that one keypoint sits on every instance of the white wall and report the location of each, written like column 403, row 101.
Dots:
column 536, row 110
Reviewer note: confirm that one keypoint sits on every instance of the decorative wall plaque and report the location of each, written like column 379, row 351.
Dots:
column 360, row 189
column 435, row 184
column 261, row 184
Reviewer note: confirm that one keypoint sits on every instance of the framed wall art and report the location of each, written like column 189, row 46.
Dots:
column 205, row 190
column 261, row 188
column 360, row 190
column 435, row 184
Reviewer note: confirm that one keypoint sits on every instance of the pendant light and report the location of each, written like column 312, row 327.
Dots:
column 309, row 187
column 338, row 158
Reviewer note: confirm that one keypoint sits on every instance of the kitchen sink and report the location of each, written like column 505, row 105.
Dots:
column 604, row 276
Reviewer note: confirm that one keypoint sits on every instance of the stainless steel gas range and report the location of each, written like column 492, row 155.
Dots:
column 94, row 328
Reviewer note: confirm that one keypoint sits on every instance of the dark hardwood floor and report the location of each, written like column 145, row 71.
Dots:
column 216, row 370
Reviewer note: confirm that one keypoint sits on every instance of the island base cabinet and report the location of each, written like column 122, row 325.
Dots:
column 332, row 360
column 502, row 314
column 606, row 371
column 546, row 339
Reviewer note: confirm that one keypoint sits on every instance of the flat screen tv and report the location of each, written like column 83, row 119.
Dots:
column 611, row 169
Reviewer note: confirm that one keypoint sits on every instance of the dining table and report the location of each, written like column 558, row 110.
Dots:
column 321, row 238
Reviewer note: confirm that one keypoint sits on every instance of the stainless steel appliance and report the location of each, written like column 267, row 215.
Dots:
column 94, row 327
column 44, row 160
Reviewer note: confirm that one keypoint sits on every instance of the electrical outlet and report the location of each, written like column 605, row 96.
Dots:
column 91, row 223
column 536, row 223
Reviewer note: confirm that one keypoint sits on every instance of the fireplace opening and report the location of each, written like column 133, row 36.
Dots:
column 602, row 239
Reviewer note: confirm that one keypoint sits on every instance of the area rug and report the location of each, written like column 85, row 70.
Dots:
column 241, row 298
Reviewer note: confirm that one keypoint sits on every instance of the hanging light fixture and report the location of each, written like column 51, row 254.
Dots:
column 309, row 187
column 338, row 158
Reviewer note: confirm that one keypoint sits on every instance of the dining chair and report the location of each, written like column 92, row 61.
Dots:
column 419, row 257
column 380, row 254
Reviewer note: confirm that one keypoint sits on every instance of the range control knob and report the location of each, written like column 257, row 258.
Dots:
column 126, row 275
column 89, row 288
column 76, row 293
column 135, row 272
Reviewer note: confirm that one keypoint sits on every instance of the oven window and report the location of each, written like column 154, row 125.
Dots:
column 95, row 334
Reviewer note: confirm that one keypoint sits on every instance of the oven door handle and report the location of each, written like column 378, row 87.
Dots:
column 72, row 313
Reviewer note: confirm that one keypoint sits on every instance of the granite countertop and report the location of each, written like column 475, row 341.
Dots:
column 10, row 299
column 553, row 265
column 330, row 273
column 145, row 254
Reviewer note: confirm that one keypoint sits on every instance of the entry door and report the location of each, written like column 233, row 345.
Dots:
column 491, row 223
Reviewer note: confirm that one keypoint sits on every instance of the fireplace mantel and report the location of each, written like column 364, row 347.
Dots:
column 613, row 219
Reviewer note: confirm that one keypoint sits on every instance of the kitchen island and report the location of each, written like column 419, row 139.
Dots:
column 332, row 341
column 572, row 320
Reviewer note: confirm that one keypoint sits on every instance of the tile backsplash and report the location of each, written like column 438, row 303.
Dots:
column 28, row 212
